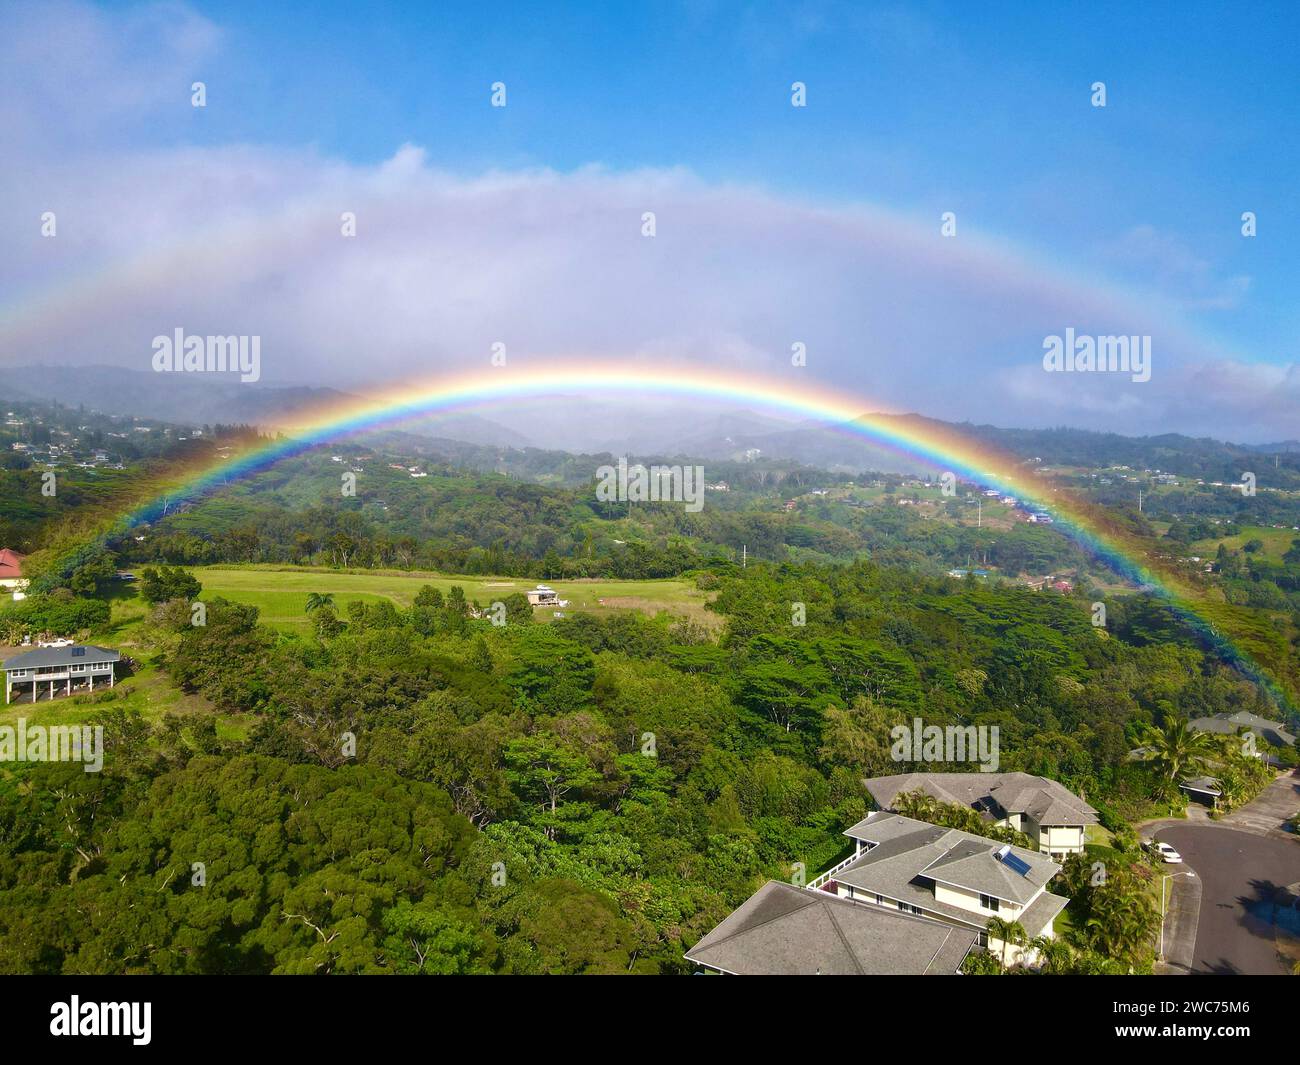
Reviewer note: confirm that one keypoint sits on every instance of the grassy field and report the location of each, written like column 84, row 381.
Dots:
column 280, row 593
column 1276, row 542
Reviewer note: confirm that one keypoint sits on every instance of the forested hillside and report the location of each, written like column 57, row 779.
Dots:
column 417, row 790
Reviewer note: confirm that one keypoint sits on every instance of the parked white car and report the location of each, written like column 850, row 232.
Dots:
column 1168, row 855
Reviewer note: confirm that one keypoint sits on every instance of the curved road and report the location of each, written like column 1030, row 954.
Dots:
column 1239, row 872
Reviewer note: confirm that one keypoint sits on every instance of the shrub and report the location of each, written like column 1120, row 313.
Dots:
column 48, row 614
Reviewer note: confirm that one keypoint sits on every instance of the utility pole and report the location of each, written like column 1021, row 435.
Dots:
column 979, row 513
column 1139, row 500
column 744, row 555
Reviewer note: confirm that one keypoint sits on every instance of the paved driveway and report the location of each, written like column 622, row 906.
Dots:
column 1240, row 861
column 1271, row 809
column 1239, row 872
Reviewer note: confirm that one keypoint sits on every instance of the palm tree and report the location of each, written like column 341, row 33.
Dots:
column 317, row 600
column 1012, row 933
column 1240, row 774
column 1176, row 749
column 1122, row 918
column 916, row 804
column 1054, row 955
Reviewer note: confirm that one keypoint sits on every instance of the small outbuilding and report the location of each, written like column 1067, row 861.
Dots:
column 1205, row 790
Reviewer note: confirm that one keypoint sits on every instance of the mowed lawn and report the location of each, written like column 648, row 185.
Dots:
column 280, row 593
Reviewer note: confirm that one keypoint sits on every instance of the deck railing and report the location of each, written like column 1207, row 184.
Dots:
column 818, row 881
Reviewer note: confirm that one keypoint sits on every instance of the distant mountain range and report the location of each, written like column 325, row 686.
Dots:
column 185, row 399
column 578, row 424
column 1187, row 456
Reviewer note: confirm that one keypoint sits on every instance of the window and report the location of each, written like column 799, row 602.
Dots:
column 916, row 910
column 880, row 900
column 902, row 906
column 77, row 669
column 988, row 902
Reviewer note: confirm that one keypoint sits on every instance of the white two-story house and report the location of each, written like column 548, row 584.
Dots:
column 945, row 875
column 1049, row 814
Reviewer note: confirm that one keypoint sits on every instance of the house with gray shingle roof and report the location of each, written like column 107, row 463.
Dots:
column 783, row 930
column 55, row 671
column 1274, row 732
column 1050, row 814
column 948, row 876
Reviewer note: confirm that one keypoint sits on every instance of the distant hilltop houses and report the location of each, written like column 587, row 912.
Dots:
column 49, row 439
column 1051, row 582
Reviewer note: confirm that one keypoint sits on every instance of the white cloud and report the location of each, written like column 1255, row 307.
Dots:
column 72, row 74
column 239, row 239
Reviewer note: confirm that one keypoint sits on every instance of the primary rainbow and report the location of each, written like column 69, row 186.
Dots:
column 934, row 445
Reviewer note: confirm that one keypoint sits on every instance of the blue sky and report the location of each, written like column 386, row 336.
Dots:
column 914, row 109
column 981, row 109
